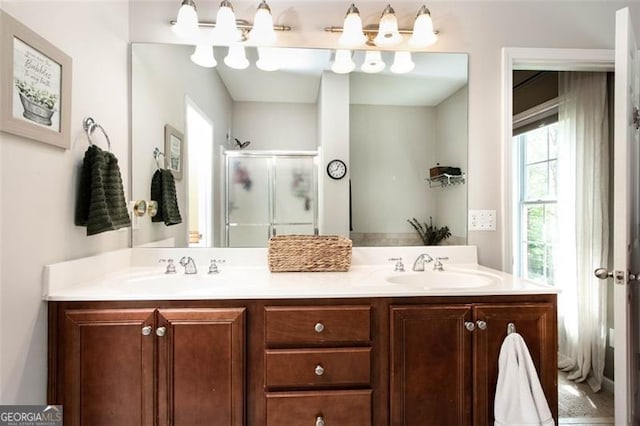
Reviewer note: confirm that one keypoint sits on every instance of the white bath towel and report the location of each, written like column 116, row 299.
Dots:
column 519, row 400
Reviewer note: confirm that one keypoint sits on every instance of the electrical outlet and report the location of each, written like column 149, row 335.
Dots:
column 482, row 220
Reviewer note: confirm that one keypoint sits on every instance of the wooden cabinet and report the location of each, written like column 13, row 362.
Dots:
column 153, row 366
column 444, row 359
column 318, row 365
column 355, row 362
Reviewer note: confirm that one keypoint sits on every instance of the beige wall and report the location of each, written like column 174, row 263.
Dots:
column 39, row 181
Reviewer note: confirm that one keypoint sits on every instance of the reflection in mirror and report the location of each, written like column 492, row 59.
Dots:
column 400, row 126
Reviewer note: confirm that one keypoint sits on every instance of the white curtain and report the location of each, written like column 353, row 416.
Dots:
column 583, row 221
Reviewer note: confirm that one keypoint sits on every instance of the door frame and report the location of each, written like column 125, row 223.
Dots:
column 544, row 59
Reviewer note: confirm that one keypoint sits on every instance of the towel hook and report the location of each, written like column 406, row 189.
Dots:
column 511, row 328
column 89, row 125
column 156, row 154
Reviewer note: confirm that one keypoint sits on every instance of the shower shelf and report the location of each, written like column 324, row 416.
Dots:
column 445, row 180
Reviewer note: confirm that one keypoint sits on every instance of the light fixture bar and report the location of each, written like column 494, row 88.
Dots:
column 242, row 24
column 369, row 29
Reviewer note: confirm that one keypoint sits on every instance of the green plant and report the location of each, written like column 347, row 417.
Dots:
column 41, row 97
column 429, row 234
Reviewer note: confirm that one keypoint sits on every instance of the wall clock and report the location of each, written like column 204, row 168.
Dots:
column 336, row 169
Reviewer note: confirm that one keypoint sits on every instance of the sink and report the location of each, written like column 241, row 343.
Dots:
column 441, row 280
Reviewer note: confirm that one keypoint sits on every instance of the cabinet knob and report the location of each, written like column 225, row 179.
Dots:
column 482, row 325
column 319, row 370
column 146, row 330
column 469, row 325
column 160, row 331
column 319, row 327
column 319, row 421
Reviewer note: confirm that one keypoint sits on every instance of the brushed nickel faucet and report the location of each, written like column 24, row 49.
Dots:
column 437, row 265
column 189, row 265
column 420, row 261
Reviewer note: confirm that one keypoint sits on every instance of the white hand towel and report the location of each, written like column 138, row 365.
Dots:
column 519, row 400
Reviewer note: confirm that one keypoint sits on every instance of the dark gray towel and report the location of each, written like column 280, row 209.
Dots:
column 101, row 205
column 163, row 190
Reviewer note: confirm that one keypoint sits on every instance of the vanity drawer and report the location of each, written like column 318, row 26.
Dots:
column 317, row 367
column 317, row 325
column 333, row 408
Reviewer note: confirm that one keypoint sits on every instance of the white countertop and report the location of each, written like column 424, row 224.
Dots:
column 134, row 274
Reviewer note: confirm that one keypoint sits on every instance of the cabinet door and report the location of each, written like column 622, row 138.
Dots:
column 108, row 367
column 430, row 365
column 201, row 367
column 536, row 323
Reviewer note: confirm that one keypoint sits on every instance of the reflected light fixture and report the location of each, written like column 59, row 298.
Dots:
column 267, row 59
column 373, row 62
column 236, row 57
column 262, row 31
column 352, row 34
column 226, row 31
column 423, row 34
column 203, row 56
column 388, row 34
column 343, row 64
column 402, row 63
column 187, row 23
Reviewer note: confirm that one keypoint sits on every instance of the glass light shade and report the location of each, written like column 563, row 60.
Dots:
column 388, row 34
column 352, row 34
column 236, row 57
column 402, row 63
column 267, row 59
column 343, row 64
column 373, row 62
column 187, row 23
column 226, row 30
column 203, row 56
column 423, row 34
column 262, row 31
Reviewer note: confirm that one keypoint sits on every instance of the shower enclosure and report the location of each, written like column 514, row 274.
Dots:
column 269, row 193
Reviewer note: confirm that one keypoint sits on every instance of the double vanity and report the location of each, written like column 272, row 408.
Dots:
column 130, row 344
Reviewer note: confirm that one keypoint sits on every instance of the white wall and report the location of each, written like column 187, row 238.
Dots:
column 391, row 150
column 275, row 125
column 158, row 99
column 451, row 137
column 39, row 181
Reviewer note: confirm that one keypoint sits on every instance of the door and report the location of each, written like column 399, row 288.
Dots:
column 201, row 367
column 536, row 323
column 431, row 370
column 108, row 364
column 625, row 230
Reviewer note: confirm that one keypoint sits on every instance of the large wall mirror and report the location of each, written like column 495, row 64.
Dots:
column 246, row 156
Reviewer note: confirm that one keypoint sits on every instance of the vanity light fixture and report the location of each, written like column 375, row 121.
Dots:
column 352, row 34
column 388, row 34
column 402, row 63
column 423, row 34
column 203, row 56
column 236, row 57
column 226, row 31
column 268, row 59
column 343, row 64
column 186, row 25
column 373, row 62
column 262, row 32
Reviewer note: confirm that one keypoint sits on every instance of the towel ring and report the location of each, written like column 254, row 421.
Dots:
column 156, row 154
column 89, row 125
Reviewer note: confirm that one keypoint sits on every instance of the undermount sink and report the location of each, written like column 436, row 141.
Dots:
column 439, row 280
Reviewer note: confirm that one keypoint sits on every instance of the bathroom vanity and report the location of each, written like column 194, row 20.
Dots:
column 352, row 348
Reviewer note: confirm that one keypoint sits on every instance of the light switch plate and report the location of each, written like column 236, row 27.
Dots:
column 482, row 220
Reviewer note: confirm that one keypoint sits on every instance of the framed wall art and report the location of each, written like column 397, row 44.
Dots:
column 173, row 150
column 35, row 85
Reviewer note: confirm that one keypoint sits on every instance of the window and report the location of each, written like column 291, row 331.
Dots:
column 536, row 231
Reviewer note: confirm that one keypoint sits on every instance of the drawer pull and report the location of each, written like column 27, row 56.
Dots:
column 319, row 327
column 160, row 331
column 146, row 330
column 319, row 370
column 319, row 421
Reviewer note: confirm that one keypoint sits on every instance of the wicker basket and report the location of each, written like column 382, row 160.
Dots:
column 309, row 253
